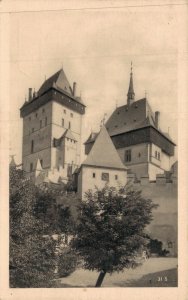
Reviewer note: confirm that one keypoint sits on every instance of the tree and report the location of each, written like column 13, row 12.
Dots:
column 32, row 255
column 111, row 227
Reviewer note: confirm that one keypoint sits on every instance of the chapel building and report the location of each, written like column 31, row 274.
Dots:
column 136, row 134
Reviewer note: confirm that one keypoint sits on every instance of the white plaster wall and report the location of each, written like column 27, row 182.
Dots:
column 58, row 113
column 153, row 171
column 40, row 135
column 88, row 182
column 164, row 161
column 139, row 154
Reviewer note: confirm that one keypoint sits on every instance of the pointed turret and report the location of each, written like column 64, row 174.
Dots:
column 130, row 94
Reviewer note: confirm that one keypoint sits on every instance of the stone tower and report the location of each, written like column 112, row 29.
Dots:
column 52, row 120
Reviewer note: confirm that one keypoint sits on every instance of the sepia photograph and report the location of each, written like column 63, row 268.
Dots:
column 93, row 144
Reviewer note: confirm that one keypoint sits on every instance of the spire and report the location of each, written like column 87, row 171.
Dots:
column 130, row 94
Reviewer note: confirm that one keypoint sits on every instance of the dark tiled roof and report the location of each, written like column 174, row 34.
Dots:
column 104, row 153
column 68, row 134
column 92, row 137
column 128, row 118
column 58, row 80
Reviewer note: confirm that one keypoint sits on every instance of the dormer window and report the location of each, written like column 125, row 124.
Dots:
column 64, row 111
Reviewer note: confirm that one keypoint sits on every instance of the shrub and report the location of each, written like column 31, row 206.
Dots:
column 68, row 262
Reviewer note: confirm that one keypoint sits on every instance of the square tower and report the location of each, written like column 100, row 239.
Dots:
column 52, row 121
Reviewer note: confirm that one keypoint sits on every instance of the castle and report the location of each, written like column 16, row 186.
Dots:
column 129, row 147
column 52, row 121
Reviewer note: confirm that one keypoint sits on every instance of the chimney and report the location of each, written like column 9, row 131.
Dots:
column 157, row 119
column 74, row 89
column 30, row 94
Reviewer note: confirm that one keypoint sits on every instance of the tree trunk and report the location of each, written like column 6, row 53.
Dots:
column 100, row 278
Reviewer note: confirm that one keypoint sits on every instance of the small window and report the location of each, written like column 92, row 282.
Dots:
column 139, row 154
column 94, row 175
column 134, row 120
column 40, row 123
column 36, row 115
column 69, row 171
column 116, row 177
column 159, row 156
column 105, row 176
column 46, row 121
column 29, row 118
column 32, row 146
column 31, row 167
column 69, row 125
column 64, row 111
column 156, row 154
column 128, row 155
column 43, row 110
column 62, row 122
column 71, row 115
column 41, row 162
column 32, row 129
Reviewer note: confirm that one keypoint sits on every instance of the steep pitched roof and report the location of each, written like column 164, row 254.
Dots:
column 103, row 153
column 68, row 134
column 129, row 117
column 58, row 80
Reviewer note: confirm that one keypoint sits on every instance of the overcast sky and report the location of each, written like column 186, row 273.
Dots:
column 96, row 48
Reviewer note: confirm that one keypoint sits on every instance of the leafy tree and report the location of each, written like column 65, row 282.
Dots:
column 32, row 255
column 110, row 231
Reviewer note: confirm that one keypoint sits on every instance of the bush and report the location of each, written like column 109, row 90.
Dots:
column 156, row 247
column 68, row 262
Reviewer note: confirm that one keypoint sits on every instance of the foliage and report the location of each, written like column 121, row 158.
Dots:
column 32, row 255
column 155, row 246
column 111, row 229
column 67, row 263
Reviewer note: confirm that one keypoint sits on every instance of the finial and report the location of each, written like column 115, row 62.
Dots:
column 131, row 67
column 130, row 94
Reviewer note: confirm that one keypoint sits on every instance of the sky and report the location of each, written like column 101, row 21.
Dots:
column 95, row 48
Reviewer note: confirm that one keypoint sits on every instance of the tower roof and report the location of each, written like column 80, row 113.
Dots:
column 58, row 80
column 131, row 93
column 103, row 153
column 67, row 134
